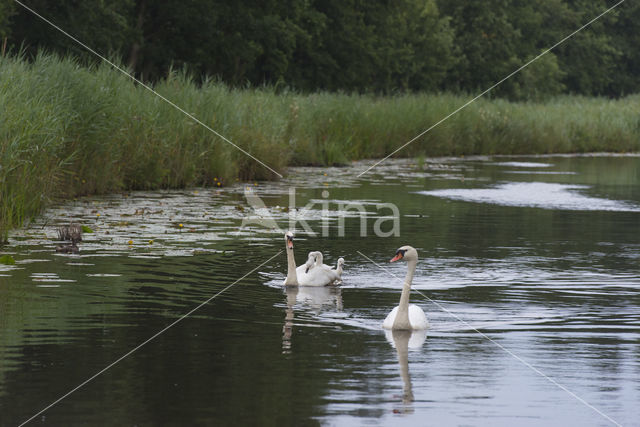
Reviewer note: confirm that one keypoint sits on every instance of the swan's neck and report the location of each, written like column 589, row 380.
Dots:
column 339, row 269
column 319, row 259
column 292, row 277
column 402, row 318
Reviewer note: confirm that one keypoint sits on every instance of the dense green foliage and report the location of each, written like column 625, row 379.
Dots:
column 67, row 130
column 352, row 45
column 297, row 82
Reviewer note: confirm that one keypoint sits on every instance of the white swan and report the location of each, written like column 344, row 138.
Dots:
column 303, row 270
column 406, row 316
column 334, row 273
column 339, row 267
column 306, row 274
column 295, row 274
column 338, row 271
column 319, row 259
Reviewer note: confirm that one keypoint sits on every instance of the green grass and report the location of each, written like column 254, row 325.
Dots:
column 68, row 130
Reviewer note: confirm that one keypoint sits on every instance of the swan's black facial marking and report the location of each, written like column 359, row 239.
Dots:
column 399, row 255
column 289, row 242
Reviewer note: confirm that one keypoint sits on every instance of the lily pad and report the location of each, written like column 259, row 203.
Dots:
column 86, row 229
column 7, row 260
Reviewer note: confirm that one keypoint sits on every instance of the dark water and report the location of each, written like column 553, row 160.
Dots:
column 529, row 275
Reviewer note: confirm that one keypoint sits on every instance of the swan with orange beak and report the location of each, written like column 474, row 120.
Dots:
column 406, row 316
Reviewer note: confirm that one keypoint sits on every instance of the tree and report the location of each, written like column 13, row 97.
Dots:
column 240, row 42
column 625, row 35
column 487, row 41
column 352, row 45
column 7, row 9
column 373, row 46
column 435, row 53
column 103, row 26
column 589, row 58
column 540, row 26
column 540, row 80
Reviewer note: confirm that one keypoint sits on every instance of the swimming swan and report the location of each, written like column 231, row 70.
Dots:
column 318, row 275
column 339, row 267
column 307, row 274
column 334, row 273
column 406, row 316
column 296, row 275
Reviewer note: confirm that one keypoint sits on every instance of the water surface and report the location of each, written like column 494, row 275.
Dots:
column 518, row 269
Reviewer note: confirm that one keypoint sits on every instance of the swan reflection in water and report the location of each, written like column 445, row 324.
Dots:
column 403, row 341
column 318, row 298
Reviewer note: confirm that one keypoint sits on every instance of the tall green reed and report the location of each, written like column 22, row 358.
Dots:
column 67, row 130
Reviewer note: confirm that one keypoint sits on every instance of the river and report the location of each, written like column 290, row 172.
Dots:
column 174, row 313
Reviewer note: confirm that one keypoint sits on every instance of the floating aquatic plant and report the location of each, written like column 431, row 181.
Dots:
column 7, row 260
column 120, row 138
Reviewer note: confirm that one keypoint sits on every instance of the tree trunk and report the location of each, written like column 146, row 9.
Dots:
column 136, row 47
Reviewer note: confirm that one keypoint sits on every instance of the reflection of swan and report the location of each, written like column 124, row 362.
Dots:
column 313, row 276
column 403, row 340
column 287, row 329
column 415, row 338
column 296, row 275
column 317, row 297
column 405, row 316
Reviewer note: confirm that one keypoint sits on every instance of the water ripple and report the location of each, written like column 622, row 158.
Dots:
column 535, row 194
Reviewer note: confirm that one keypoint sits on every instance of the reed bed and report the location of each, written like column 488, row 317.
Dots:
column 68, row 130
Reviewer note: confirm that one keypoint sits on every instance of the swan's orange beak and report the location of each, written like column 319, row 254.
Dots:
column 290, row 243
column 397, row 257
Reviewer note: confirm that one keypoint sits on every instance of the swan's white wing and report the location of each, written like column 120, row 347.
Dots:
column 391, row 317
column 301, row 270
column 316, row 277
column 303, row 275
column 305, row 269
column 417, row 318
column 333, row 274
